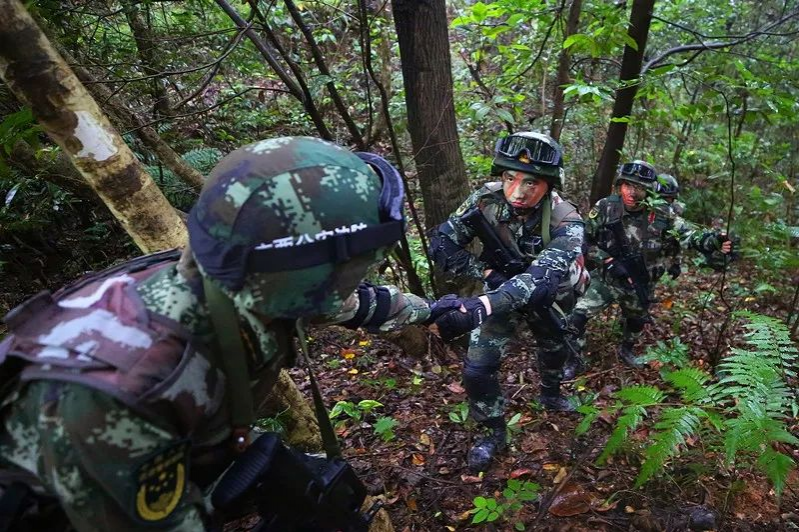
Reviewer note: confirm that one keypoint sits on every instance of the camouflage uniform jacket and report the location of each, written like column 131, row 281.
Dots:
column 139, row 333
column 563, row 253
column 657, row 234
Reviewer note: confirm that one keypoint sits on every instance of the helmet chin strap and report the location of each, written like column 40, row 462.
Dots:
column 230, row 354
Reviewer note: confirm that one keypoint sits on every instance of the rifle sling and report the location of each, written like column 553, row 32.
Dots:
column 546, row 219
column 231, row 356
column 329, row 440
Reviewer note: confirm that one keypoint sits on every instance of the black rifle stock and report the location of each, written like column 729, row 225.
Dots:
column 293, row 490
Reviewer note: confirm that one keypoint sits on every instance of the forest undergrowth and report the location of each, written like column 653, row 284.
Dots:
column 404, row 426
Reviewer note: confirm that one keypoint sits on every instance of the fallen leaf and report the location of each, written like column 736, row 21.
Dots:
column 668, row 303
column 572, row 499
column 455, row 387
column 629, row 509
column 348, row 355
column 524, row 472
column 364, row 343
column 417, row 459
column 471, row 479
column 424, row 439
column 411, row 503
column 789, row 186
column 551, row 467
column 436, row 369
column 353, row 371
column 560, row 476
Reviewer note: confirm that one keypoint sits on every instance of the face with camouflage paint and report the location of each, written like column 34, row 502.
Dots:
column 632, row 194
column 523, row 190
column 283, row 194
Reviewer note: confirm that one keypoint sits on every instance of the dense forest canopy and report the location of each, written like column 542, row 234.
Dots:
column 715, row 102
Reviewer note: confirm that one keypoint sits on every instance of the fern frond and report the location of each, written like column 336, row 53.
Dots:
column 641, row 395
column 692, row 384
column 630, row 419
column 776, row 466
column 674, row 426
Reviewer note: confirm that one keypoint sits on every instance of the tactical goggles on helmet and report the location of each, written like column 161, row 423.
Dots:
column 536, row 150
column 230, row 263
column 644, row 172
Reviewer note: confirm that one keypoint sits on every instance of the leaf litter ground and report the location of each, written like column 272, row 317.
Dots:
column 421, row 472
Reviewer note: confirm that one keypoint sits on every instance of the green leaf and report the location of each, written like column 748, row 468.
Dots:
column 493, row 516
column 622, row 119
column 629, row 41
column 480, row 516
column 514, row 19
column 505, row 115
column 662, row 69
column 519, row 526
column 480, row 502
column 577, row 38
column 368, row 404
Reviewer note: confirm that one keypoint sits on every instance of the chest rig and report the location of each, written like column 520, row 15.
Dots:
column 643, row 232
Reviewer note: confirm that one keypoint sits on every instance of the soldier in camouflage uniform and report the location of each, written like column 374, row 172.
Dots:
column 529, row 215
column 623, row 220
column 119, row 394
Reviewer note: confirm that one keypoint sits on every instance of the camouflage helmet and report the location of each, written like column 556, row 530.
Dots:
column 638, row 172
column 288, row 227
column 668, row 187
column 532, row 153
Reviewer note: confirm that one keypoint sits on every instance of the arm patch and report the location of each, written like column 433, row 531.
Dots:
column 161, row 482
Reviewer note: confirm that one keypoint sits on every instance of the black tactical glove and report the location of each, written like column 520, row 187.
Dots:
column 442, row 306
column 674, row 270
column 494, row 280
column 455, row 323
column 546, row 282
column 616, row 269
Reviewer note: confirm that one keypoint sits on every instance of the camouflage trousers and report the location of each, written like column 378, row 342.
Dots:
column 600, row 295
column 488, row 347
column 87, row 450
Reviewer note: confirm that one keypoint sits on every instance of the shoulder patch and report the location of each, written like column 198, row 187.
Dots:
column 593, row 213
column 161, row 482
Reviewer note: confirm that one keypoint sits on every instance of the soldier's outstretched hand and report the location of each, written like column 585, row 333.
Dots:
column 461, row 315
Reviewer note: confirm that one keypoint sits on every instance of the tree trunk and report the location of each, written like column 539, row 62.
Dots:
column 558, row 109
column 40, row 78
column 640, row 17
column 427, row 75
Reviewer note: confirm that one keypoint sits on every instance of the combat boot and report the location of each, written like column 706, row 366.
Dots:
column 552, row 400
column 489, row 446
column 574, row 366
column 627, row 355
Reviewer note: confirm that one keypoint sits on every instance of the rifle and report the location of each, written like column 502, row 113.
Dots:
column 634, row 263
column 292, row 490
column 503, row 258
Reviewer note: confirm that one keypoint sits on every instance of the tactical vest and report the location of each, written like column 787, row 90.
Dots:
column 659, row 222
column 98, row 333
column 493, row 205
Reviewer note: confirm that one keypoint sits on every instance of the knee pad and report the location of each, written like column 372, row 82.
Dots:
column 473, row 370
